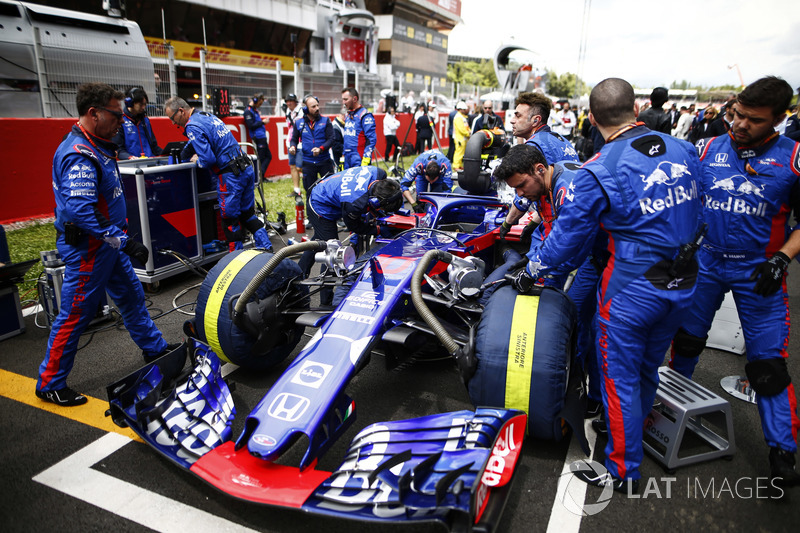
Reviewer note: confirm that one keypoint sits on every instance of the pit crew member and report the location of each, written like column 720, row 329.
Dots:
column 751, row 182
column 136, row 138
column 431, row 171
column 316, row 133
column 90, row 223
column 641, row 191
column 359, row 131
column 256, row 125
column 216, row 149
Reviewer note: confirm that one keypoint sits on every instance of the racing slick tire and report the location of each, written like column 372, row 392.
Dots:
column 214, row 323
column 525, row 346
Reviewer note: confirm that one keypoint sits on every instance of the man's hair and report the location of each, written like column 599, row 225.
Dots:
column 95, row 95
column 659, row 97
column 351, row 90
column 539, row 104
column 771, row 91
column 386, row 188
column 432, row 169
column 175, row 103
column 612, row 101
column 520, row 159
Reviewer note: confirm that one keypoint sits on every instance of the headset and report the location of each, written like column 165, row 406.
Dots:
column 133, row 94
column 304, row 109
column 378, row 204
column 257, row 97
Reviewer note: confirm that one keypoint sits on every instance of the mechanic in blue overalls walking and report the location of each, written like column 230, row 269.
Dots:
column 358, row 196
column 315, row 135
column 91, row 223
column 217, row 150
column 431, row 171
column 642, row 192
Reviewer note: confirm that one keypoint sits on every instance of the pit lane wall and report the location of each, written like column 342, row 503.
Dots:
column 28, row 145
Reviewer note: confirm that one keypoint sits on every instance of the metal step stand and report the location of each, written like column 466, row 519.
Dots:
column 685, row 424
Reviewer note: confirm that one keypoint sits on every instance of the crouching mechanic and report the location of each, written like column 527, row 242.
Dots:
column 90, row 222
column 359, row 196
column 431, row 171
column 748, row 247
column 648, row 282
column 217, row 150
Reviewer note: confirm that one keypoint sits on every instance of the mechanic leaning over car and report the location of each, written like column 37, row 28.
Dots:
column 216, row 149
column 431, row 171
column 751, row 181
column 315, row 135
column 136, row 138
column 641, row 191
column 256, row 125
column 359, row 196
column 90, row 224
column 359, row 131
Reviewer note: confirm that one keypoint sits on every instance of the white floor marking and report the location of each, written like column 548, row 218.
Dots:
column 74, row 476
column 562, row 520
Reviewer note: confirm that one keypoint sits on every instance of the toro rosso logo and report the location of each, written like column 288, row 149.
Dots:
column 738, row 185
column 264, row 440
column 311, row 374
column 660, row 177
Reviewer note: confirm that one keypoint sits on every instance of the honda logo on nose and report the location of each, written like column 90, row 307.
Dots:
column 288, row 407
column 721, row 158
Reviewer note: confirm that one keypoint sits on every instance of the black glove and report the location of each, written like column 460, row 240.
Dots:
column 522, row 281
column 770, row 274
column 527, row 231
column 504, row 229
column 418, row 207
column 136, row 250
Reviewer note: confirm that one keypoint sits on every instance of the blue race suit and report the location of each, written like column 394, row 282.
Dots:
column 359, row 137
column 89, row 195
column 135, row 138
column 314, row 134
column 416, row 173
column 218, row 151
column 258, row 134
column 748, row 195
column 641, row 191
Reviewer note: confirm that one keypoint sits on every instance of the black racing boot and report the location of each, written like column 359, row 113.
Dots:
column 65, row 397
column 782, row 469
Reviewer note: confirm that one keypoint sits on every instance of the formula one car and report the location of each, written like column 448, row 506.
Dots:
column 435, row 288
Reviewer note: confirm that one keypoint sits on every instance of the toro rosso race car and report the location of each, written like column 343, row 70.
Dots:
column 435, row 289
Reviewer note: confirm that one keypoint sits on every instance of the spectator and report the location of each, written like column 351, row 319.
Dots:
column 722, row 124
column 793, row 125
column 451, row 143
column 256, row 125
column 487, row 120
column 293, row 112
column 747, row 251
column 565, row 121
column 90, row 219
column 390, row 126
column 684, row 121
column 337, row 148
column 424, row 131
column 407, row 102
column 654, row 116
column 136, row 138
column 701, row 130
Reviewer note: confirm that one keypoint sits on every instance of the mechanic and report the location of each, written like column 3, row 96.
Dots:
column 359, row 131
column 529, row 122
column 90, row 224
column 216, row 149
column 315, row 134
column 358, row 196
column 256, row 125
column 136, row 138
column 293, row 112
column 641, row 190
column 431, row 171
column 751, row 181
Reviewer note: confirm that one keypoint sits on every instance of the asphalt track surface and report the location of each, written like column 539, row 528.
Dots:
column 71, row 469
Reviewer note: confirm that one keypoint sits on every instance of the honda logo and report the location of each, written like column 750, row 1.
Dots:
column 721, row 158
column 288, row 407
